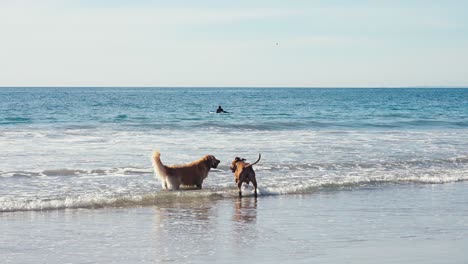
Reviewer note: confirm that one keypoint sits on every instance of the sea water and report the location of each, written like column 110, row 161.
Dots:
column 346, row 175
column 91, row 147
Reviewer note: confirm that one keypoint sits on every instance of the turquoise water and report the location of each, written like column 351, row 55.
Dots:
column 256, row 109
column 91, row 147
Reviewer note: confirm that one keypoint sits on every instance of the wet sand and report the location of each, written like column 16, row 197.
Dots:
column 374, row 224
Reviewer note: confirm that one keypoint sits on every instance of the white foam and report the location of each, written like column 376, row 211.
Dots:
column 225, row 190
column 116, row 163
column 90, row 201
column 104, row 200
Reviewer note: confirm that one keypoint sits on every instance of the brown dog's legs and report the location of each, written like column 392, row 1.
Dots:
column 239, row 186
column 254, row 183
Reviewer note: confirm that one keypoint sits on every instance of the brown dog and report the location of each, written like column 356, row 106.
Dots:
column 243, row 172
column 191, row 174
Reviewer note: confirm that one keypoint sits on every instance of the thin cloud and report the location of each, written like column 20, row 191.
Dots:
column 51, row 42
column 52, row 12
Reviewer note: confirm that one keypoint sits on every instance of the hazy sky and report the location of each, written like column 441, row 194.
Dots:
column 233, row 43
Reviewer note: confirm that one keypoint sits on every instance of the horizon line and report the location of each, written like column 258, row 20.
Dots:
column 247, row 87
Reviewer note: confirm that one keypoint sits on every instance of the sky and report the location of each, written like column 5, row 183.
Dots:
column 245, row 43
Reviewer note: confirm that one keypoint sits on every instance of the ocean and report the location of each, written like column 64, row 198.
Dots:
column 85, row 153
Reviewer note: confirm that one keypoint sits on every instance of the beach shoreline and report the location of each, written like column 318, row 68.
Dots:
column 412, row 223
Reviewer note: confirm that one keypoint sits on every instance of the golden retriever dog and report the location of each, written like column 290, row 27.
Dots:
column 192, row 174
column 243, row 172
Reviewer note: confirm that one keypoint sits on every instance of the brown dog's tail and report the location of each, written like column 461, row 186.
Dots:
column 259, row 157
column 157, row 165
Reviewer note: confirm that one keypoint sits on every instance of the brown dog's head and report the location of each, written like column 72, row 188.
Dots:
column 212, row 161
column 233, row 166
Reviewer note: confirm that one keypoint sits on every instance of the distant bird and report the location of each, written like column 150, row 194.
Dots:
column 276, row 43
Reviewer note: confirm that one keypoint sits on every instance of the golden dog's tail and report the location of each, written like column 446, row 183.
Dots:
column 259, row 157
column 157, row 165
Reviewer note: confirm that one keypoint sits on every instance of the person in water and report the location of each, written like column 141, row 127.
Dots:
column 220, row 110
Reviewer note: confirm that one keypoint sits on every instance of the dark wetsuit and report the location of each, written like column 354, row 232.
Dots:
column 220, row 110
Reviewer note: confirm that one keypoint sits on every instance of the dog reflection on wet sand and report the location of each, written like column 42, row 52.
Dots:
column 246, row 210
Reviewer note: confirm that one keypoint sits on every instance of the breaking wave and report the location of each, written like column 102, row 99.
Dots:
column 124, row 171
column 136, row 171
column 159, row 197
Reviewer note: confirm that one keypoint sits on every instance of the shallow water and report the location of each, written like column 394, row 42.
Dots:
column 91, row 147
column 391, row 224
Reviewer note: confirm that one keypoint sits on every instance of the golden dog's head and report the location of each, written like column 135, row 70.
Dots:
column 212, row 161
column 233, row 166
